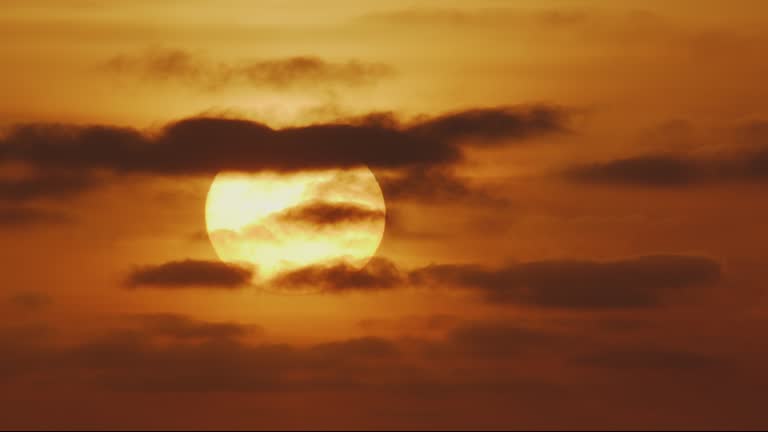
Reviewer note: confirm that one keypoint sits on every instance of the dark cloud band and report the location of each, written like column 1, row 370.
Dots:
column 210, row 145
column 190, row 273
column 628, row 283
column 321, row 213
column 198, row 71
column 665, row 170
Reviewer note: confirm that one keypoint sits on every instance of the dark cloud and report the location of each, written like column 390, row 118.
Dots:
column 378, row 274
column 25, row 349
column 322, row 213
column 30, row 300
column 665, row 170
column 427, row 184
column 71, row 159
column 191, row 273
column 44, row 185
column 206, row 361
column 485, row 358
column 488, row 125
column 752, row 166
column 493, row 339
column 135, row 361
column 211, row 145
column 16, row 217
column 752, row 133
column 633, row 358
column 417, row 323
column 629, row 283
column 641, row 171
column 647, row 281
column 300, row 71
column 184, row 327
column 130, row 362
column 365, row 347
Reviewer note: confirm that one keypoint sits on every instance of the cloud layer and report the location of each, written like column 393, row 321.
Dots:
column 16, row 216
column 378, row 274
column 642, row 282
column 670, row 170
column 210, row 145
column 190, row 273
column 635, row 282
column 281, row 73
column 322, row 213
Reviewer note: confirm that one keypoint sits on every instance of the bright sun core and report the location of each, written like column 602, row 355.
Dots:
column 266, row 220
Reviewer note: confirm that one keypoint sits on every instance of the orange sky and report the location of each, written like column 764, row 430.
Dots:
column 575, row 213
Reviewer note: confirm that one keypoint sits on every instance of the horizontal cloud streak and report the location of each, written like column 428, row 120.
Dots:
column 299, row 71
column 640, row 282
column 27, row 216
column 654, row 359
column 44, row 185
column 210, row 145
column 641, row 171
column 667, row 170
column 321, row 213
column 30, row 300
column 629, row 283
column 378, row 274
column 190, row 273
column 183, row 327
column 489, row 124
column 437, row 185
column 207, row 361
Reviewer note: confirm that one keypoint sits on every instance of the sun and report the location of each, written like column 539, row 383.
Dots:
column 280, row 222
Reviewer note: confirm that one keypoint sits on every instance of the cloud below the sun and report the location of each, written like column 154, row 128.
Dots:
column 630, row 283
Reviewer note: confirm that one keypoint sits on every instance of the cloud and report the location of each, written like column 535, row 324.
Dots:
column 299, row 71
column 205, row 361
column 184, row 327
column 207, row 146
column 641, row 282
column 629, row 283
column 25, row 349
column 322, row 213
column 489, row 339
column 191, row 273
column 136, row 361
column 754, row 132
column 426, row 184
column 71, row 159
column 44, row 185
column 365, row 347
column 16, row 217
column 378, row 274
column 633, row 358
column 490, row 124
column 482, row 357
column 657, row 170
column 667, row 170
column 30, row 300
column 130, row 362
column 411, row 323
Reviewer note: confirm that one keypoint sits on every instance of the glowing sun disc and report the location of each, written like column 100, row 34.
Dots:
column 281, row 222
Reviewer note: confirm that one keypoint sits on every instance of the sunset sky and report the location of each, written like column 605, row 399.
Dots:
column 569, row 197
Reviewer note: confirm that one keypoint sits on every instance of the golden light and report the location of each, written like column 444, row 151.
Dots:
column 266, row 220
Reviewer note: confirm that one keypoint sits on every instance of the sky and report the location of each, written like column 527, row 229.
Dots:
column 575, row 214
